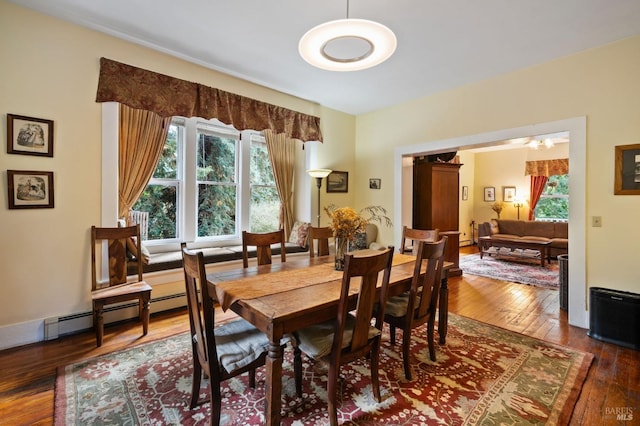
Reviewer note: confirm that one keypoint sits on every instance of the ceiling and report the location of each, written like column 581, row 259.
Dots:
column 442, row 44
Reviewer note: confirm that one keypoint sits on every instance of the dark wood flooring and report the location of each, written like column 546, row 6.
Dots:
column 27, row 373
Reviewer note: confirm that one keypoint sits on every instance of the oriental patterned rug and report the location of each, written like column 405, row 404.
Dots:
column 483, row 375
column 524, row 269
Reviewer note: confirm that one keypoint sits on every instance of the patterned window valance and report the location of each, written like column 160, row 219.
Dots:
column 168, row 96
column 559, row 166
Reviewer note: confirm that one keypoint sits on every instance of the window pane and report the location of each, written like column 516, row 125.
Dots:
column 264, row 209
column 216, row 210
column 216, row 159
column 261, row 173
column 161, row 203
column 554, row 201
column 167, row 167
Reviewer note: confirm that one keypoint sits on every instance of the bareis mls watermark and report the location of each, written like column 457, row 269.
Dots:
column 619, row 413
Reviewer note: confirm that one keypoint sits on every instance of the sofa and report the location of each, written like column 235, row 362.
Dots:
column 556, row 232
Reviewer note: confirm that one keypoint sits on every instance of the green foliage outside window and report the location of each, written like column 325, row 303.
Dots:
column 161, row 200
column 554, row 201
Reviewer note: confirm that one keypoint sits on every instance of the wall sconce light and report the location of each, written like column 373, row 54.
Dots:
column 517, row 203
column 319, row 174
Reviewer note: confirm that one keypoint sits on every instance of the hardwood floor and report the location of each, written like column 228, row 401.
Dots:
column 27, row 373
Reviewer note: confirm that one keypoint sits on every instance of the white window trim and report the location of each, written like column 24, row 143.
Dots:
column 109, row 210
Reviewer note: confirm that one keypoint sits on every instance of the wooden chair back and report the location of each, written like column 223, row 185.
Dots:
column 118, row 241
column 414, row 235
column 119, row 287
column 201, row 320
column 366, row 267
column 322, row 235
column 262, row 242
column 427, row 276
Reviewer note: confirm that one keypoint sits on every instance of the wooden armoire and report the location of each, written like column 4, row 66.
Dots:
column 436, row 203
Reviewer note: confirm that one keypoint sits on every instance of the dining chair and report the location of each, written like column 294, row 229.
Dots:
column 350, row 335
column 418, row 306
column 223, row 351
column 262, row 243
column 322, row 235
column 415, row 235
column 119, row 287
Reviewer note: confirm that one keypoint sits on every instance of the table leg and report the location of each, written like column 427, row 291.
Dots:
column 273, row 383
column 443, row 309
column 543, row 256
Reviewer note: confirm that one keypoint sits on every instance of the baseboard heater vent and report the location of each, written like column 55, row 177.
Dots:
column 614, row 316
column 75, row 323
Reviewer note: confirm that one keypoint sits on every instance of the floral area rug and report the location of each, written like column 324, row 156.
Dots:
column 524, row 269
column 483, row 375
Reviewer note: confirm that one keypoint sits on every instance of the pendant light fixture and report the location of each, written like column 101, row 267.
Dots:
column 347, row 44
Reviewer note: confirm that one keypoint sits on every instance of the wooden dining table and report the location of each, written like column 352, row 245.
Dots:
column 283, row 297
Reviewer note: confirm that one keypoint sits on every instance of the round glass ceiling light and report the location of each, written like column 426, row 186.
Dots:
column 347, row 45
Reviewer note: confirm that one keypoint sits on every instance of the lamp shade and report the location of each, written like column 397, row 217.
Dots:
column 319, row 173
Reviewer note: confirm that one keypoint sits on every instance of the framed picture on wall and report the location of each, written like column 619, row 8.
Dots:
column 338, row 182
column 30, row 190
column 374, row 183
column 627, row 170
column 465, row 193
column 29, row 136
column 489, row 193
column 508, row 194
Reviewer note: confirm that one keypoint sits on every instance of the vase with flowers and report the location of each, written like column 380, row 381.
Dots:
column 346, row 223
column 497, row 207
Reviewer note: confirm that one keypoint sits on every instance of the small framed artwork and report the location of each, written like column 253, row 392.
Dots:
column 30, row 190
column 489, row 193
column 465, row 193
column 375, row 183
column 627, row 170
column 508, row 194
column 29, row 136
column 338, row 182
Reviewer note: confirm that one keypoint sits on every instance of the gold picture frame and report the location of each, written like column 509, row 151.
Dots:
column 627, row 170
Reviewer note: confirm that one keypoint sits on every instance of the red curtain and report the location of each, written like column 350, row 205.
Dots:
column 537, row 187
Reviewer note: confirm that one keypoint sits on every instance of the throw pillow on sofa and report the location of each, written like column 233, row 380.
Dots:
column 299, row 233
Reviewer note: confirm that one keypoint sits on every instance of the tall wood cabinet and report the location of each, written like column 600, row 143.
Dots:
column 436, row 203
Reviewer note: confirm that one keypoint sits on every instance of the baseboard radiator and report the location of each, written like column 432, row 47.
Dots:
column 614, row 317
column 83, row 321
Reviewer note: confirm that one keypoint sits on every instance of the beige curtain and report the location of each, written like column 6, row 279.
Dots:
column 142, row 137
column 282, row 157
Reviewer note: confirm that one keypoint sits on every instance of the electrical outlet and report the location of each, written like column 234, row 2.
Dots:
column 596, row 221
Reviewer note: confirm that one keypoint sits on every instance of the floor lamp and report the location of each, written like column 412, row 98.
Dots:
column 517, row 203
column 319, row 174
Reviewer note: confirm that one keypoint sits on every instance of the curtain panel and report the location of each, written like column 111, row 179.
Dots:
column 547, row 168
column 168, row 96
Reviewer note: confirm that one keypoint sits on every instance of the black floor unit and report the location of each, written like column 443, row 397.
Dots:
column 614, row 317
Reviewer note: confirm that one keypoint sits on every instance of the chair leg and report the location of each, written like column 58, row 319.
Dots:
column 145, row 302
column 430, row 338
column 375, row 381
column 195, row 382
column 297, row 370
column 252, row 378
column 332, row 393
column 392, row 334
column 216, row 403
column 98, row 322
column 406, row 353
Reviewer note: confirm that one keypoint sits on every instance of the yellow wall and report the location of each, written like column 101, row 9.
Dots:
column 50, row 70
column 601, row 84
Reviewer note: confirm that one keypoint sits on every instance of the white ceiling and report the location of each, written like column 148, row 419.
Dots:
column 442, row 44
